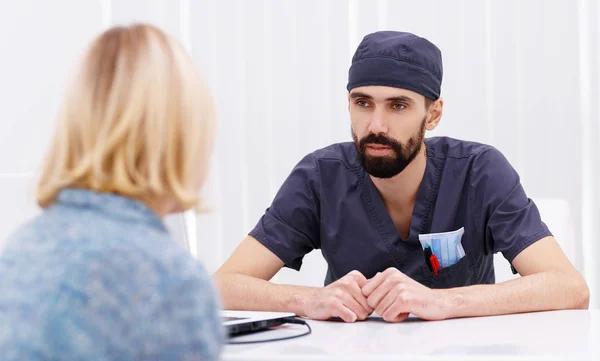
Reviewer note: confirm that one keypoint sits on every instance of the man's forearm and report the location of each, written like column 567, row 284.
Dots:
column 550, row 290
column 242, row 292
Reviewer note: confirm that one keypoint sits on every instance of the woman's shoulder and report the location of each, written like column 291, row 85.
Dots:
column 108, row 254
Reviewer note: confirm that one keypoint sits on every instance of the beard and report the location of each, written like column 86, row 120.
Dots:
column 388, row 166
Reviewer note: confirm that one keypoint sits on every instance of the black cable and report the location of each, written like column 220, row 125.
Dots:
column 291, row 320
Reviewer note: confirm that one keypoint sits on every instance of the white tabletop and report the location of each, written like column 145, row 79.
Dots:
column 557, row 335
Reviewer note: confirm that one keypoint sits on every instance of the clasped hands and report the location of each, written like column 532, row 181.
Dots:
column 391, row 294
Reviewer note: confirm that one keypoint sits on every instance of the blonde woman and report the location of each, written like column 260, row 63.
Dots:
column 96, row 276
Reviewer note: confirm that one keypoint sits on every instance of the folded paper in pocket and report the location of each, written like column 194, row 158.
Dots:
column 446, row 246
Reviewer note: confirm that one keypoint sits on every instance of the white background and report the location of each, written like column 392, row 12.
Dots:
column 520, row 75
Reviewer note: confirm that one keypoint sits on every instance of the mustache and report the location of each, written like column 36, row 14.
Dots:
column 379, row 139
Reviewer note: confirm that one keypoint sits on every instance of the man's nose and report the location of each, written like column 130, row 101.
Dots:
column 378, row 123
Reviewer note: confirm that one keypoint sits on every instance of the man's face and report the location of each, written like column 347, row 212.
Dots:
column 388, row 127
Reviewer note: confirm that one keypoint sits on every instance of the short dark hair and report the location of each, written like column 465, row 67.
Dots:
column 428, row 102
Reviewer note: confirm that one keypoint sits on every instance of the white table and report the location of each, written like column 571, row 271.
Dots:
column 557, row 335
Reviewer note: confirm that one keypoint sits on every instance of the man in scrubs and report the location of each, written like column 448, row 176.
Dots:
column 406, row 224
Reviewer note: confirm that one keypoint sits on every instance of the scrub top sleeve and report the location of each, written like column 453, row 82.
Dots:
column 290, row 226
column 511, row 221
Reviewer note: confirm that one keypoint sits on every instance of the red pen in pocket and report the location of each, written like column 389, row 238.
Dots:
column 435, row 264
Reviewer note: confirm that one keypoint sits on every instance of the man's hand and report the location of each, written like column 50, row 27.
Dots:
column 394, row 296
column 343, row 298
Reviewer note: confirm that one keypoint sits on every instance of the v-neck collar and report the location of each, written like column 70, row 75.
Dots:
column 420, row 218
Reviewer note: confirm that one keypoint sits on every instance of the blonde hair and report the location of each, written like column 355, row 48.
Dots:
column 137, row 120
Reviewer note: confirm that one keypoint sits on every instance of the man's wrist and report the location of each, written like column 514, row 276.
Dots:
column 301, row 298
column 449, row 301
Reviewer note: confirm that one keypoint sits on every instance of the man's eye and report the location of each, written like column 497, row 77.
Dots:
column 398, row 106
column 362, row 103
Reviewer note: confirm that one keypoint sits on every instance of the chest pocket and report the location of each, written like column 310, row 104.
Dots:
column 458, row 275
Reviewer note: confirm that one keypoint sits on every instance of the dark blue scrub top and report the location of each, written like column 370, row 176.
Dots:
column 329, row 202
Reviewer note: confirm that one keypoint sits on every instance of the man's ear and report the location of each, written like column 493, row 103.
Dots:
column 435, row 114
